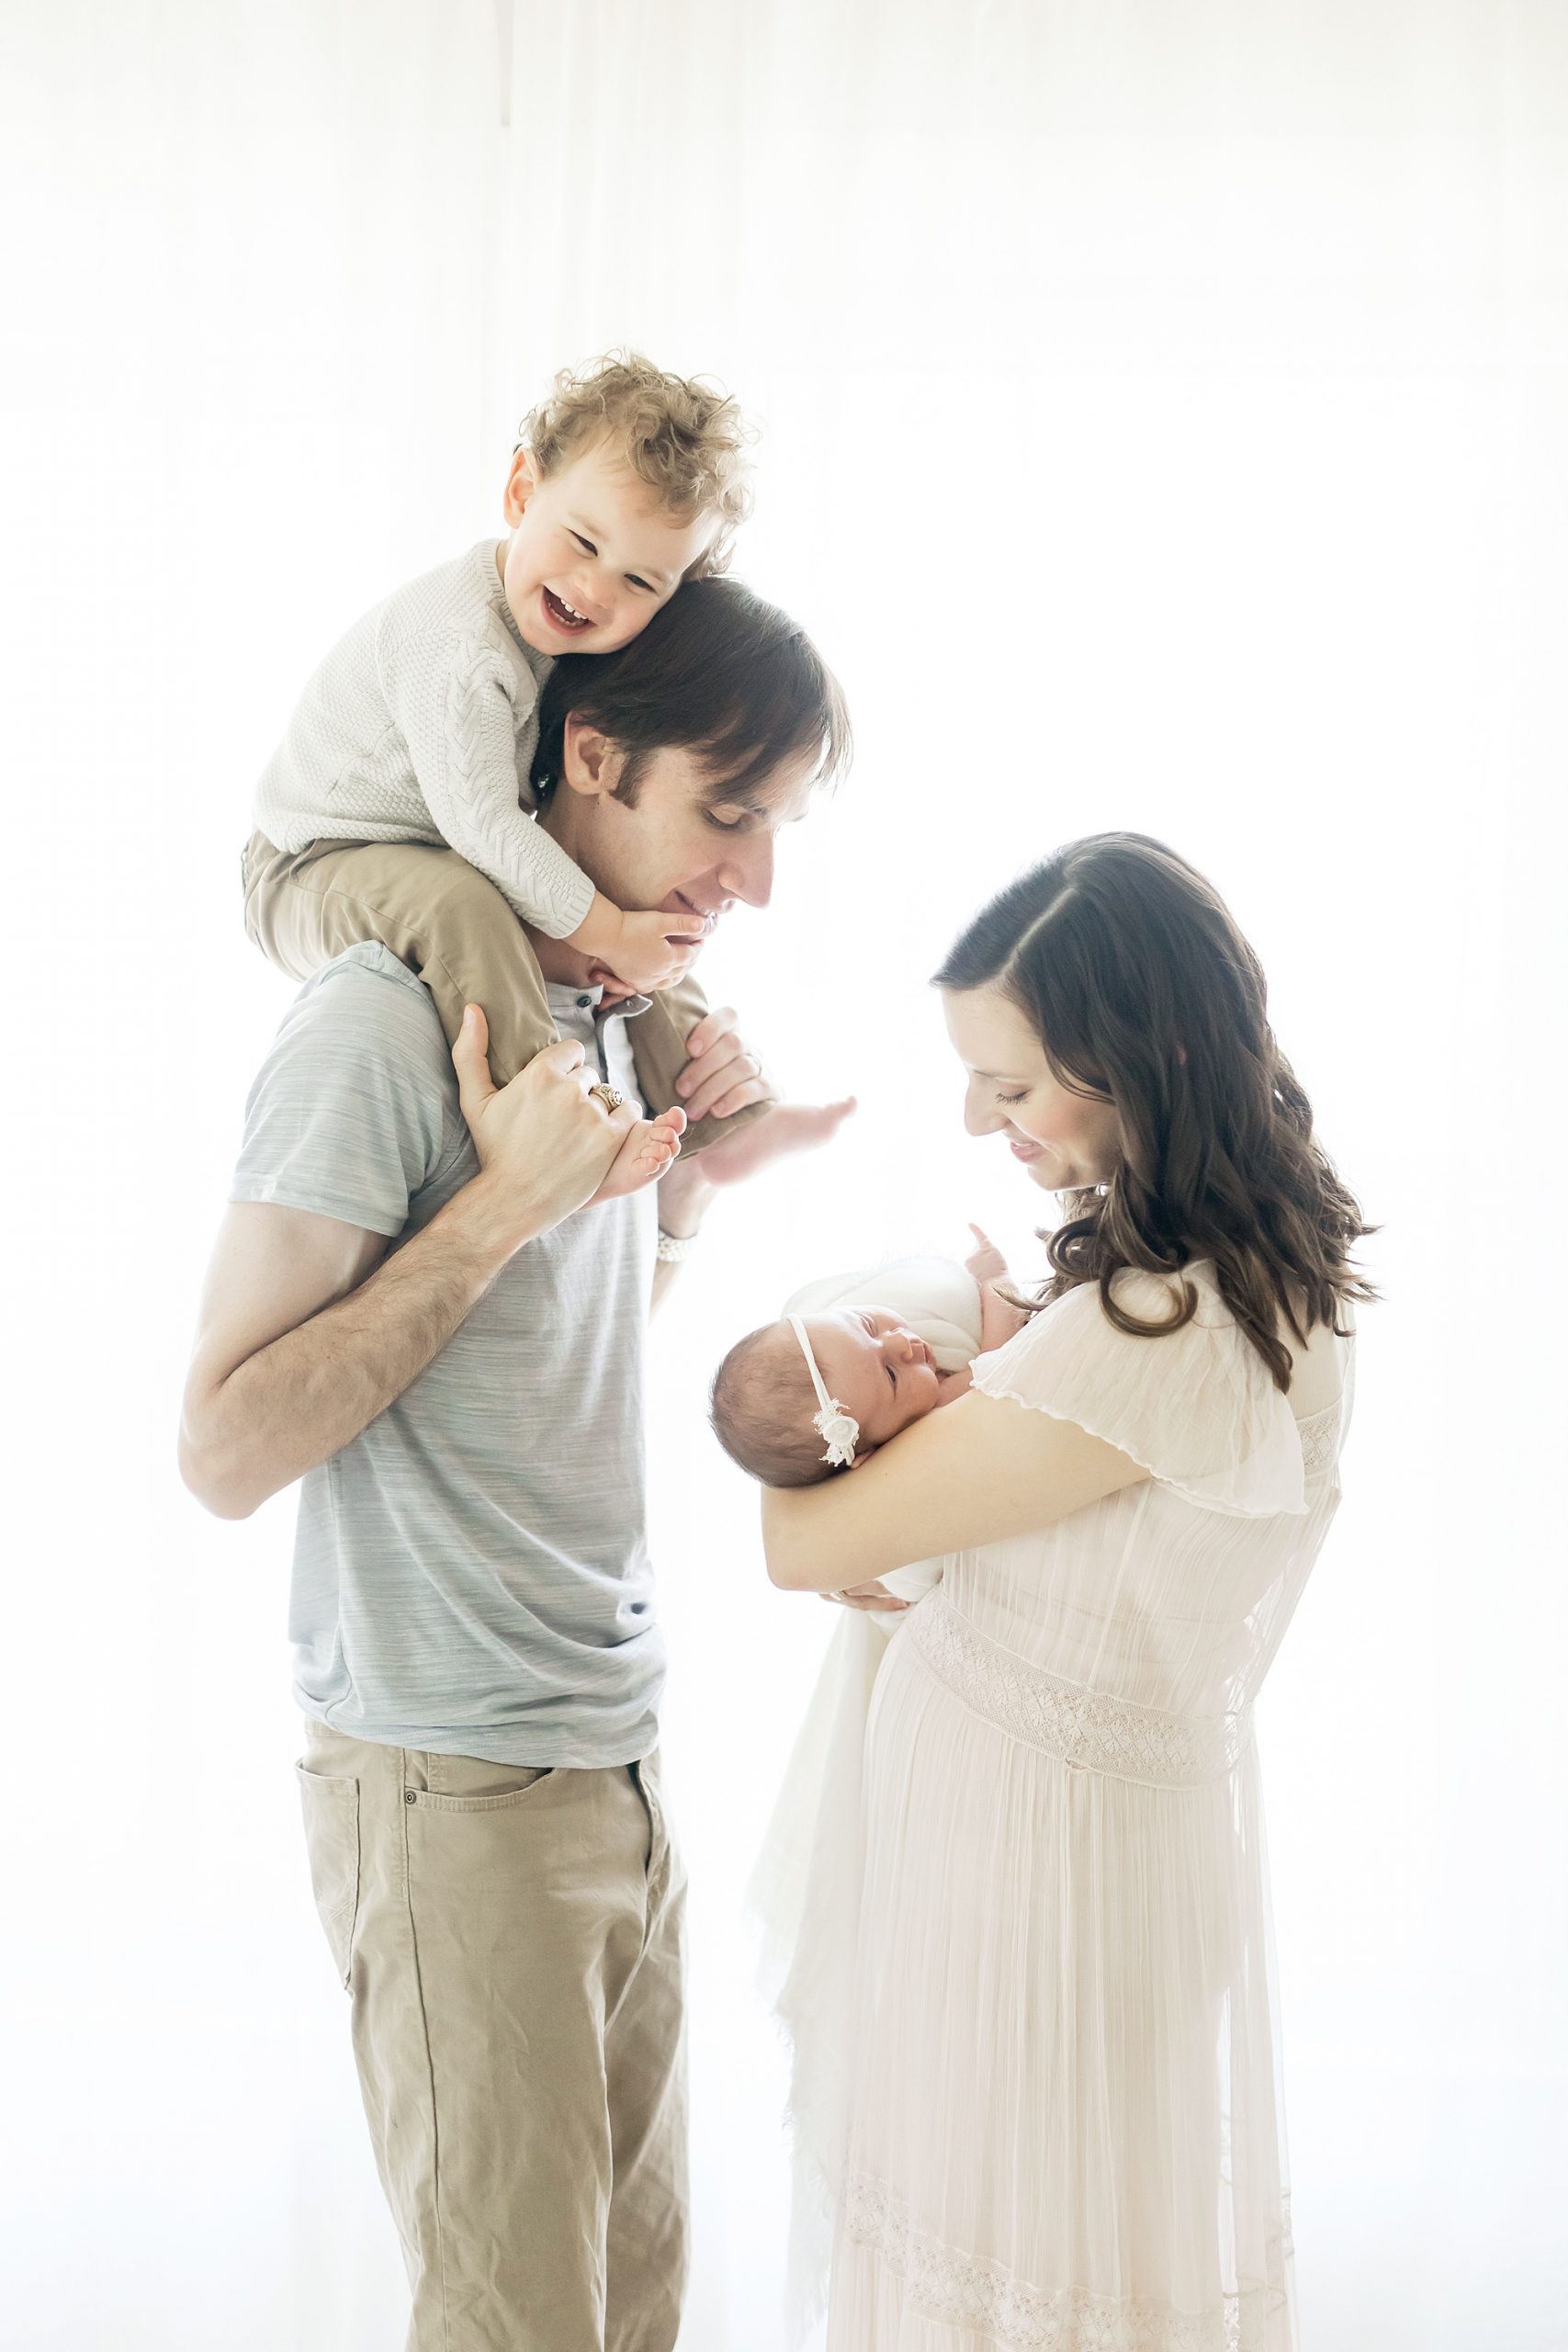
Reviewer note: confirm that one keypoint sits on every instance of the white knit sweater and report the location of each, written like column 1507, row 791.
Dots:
column 420, row 725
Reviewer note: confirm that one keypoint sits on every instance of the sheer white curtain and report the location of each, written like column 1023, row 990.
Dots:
column 249, row 253
column 1163, row 427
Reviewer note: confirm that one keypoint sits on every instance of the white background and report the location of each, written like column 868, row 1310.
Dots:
column 1164, row 427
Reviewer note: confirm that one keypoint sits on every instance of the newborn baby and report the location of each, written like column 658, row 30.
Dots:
column 853, row 1359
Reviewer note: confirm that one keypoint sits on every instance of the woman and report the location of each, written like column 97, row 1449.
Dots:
column 1066, row 2127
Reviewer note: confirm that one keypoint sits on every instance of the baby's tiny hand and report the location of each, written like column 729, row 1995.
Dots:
column 985, row 1263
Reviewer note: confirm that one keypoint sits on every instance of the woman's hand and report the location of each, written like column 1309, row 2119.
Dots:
column 545, row 1142
column 867, row 1596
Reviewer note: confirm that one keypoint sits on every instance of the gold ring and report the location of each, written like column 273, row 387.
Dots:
column 611, row 1096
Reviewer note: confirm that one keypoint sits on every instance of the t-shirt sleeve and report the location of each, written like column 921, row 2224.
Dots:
column 351, row 1112
column 1198, row 1407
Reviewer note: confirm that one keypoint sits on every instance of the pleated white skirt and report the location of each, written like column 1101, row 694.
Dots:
column 1064, row 2127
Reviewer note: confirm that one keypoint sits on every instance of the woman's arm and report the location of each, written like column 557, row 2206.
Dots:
column 978, row 1471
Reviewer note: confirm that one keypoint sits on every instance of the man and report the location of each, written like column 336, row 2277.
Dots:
column 410, row 1310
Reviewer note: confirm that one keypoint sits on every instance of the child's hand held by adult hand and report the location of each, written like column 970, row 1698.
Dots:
column 546, row 1141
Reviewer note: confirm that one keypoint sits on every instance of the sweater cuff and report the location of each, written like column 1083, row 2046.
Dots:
column 570, row 909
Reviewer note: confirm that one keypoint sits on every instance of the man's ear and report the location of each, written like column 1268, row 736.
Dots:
column 590, row 763
column 521, row 484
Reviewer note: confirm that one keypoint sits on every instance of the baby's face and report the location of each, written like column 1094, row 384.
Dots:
column 593, row 554
column 878, row 1368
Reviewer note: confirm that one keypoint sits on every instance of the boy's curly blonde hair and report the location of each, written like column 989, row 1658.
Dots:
column 685, row 437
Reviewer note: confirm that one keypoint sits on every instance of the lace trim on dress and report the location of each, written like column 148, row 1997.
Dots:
column 964, row 2290
column 1087, row 1729
column 1319, row 1434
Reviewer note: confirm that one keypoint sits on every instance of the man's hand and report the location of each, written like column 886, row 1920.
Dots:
column 723, row 1076
column 310, row 1326
column 545, row 1142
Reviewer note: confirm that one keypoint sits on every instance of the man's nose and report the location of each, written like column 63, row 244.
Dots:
column 748, row 871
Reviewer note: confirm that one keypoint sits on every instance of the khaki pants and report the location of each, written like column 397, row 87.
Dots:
column 454, row 928
column 512, row 1939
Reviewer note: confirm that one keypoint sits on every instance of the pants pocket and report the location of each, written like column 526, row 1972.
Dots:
column 332, row 1840
column 464, row 1784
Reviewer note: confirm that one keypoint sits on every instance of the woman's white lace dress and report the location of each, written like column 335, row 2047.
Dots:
column 1065, row 2120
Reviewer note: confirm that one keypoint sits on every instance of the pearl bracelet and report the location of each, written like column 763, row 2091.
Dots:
column 673, row 1247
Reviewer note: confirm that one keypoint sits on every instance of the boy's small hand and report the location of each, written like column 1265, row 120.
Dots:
column 639, row 951
column 653, row 951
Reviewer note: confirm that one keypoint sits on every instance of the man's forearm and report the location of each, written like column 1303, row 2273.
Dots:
column 683, row 1200
column 300, row 1399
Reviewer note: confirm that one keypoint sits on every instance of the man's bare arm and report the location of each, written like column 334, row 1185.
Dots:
column 304, row 1337
column 309, row 1329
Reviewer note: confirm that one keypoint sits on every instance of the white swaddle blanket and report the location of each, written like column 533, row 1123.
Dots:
column 804, row 1889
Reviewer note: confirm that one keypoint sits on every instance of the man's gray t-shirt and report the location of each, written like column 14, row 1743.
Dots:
column 471, row 1572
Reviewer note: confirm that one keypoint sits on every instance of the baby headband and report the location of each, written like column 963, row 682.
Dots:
column 841, row 1429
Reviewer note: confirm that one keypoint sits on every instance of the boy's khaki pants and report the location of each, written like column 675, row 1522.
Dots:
column 513, row 1942
column 455, row 931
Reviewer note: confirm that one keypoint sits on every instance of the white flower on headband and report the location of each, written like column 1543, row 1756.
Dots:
column 840, row 1429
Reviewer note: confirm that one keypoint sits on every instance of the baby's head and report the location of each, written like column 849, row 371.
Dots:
column 626, row 481
column 764, row 1402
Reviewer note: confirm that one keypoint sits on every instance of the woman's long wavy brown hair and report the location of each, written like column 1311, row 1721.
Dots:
column 1143, row 992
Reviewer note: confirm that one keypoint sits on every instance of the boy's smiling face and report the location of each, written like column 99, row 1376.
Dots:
column 879, row 1369
column 593, row 554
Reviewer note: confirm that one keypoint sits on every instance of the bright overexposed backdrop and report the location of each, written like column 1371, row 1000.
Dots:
column 1163, row 425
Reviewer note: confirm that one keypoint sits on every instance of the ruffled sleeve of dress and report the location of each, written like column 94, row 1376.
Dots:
column 1198, row 1407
